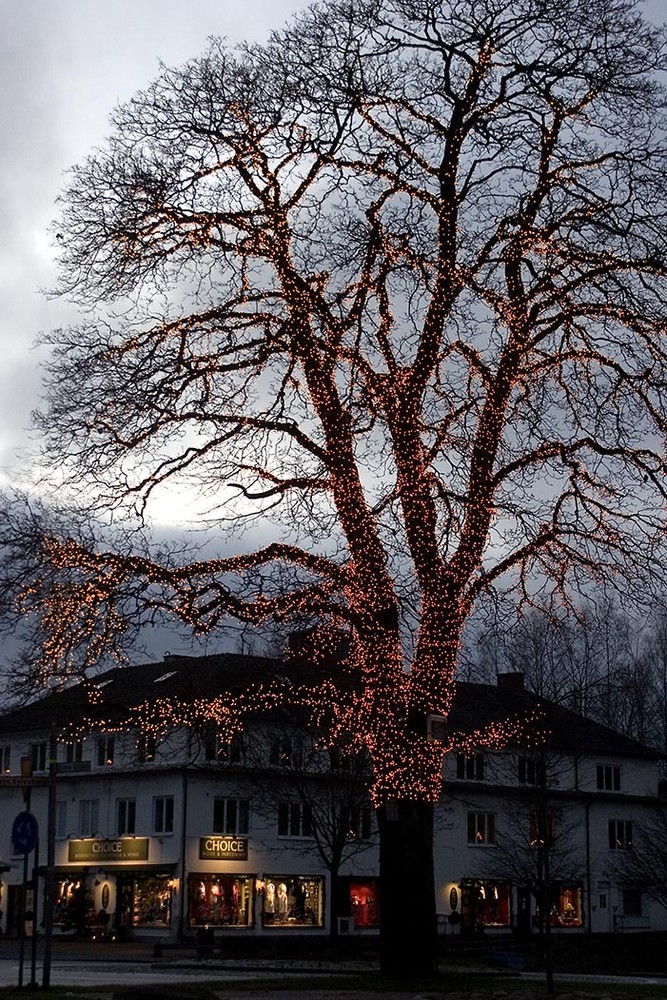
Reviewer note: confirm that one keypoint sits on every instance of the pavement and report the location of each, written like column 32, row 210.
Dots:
column 91, row 964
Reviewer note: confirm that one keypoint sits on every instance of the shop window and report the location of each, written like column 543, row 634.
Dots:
column 89, row 817
column 231, row 816
column 163, row 814
column 146, row 747
column 106, row 747
column 293, row 901
column 6, row 760
column 620, row 835
column 481, row 828
column 632, row 902
column 470, row 766
column 565, row 906
column 74, row 752
column 222, row 750
column 151, row 901
column 126, row 816
column 61, row 819
column 485, row 903
column 39, row 755
column 294, row 820
column 71, row 907
column 220, row 900
column 365, row 902
column 608, row 777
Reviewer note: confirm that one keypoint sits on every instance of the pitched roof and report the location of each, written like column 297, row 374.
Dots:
column 477, row 706
column 186, row 678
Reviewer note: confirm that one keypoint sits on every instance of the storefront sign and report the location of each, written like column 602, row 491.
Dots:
column 109, row 849
column 223, row 848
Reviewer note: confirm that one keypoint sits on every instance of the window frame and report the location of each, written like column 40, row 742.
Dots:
column 105, row 750
column 92, row 807
column 163, row 805
column 295, row 821
column 484, row 823
column 608, row 777
column 470, row 767
column 127, row 826
column 620, row 835
column 231, row 816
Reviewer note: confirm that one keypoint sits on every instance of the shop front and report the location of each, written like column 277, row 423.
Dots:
column 118, row 894
column 292, row 901
column 566, row 909
column 485, row 903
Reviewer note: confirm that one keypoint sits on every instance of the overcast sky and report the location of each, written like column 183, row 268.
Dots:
column 64, row 64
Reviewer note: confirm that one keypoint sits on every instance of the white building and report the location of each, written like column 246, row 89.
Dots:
column 165, row 837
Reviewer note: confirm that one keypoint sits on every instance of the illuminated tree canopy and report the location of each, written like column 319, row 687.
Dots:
column 392, row 283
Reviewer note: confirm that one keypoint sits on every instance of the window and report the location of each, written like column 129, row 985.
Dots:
column 230, row 816
column 106, row 746
column 220, row 900
column 163, row 814
column 88, row 817
column 293, row 901
column 620, row 835
column 284, row 752
column 542, row 828
column 294, row 820
column 151, row 901
column 223, row 750
column 632, row 902
column 126, row 816
column 6, row 760
column 487, row 903
column 365, row 902
column 565, row 906
column 360, row 824
column 74, row 752
column 470, row 766
column 531, row 771
column 146, row 748
column 481, row 828
column 608, row 777
column 61, row 819
column 38, row 754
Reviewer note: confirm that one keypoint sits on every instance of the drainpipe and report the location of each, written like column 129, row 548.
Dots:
column 588, row 867
column 184, row 832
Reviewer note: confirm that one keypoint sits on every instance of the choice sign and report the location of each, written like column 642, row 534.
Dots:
column 25, row 832
column 223, row 848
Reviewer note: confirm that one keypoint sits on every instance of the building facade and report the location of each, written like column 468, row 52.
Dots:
column 162, row 836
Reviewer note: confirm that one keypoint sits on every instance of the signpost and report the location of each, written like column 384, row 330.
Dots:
column 25, row 838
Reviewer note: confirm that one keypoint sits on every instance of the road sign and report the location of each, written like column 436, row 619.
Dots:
column 24, row 833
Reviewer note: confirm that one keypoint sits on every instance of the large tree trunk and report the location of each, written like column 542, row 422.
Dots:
column 408, row 931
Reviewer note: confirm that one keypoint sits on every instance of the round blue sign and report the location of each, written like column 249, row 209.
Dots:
column 24, row 833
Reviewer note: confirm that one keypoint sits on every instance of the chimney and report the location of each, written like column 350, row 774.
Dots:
column 512, row 681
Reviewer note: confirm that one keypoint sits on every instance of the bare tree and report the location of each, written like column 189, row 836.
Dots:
column 644, row 867
column 392, row 286
column 302, row 780
column 535, row 848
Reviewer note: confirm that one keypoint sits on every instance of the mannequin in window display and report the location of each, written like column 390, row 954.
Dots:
column 281, row 900
column 270, row 898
